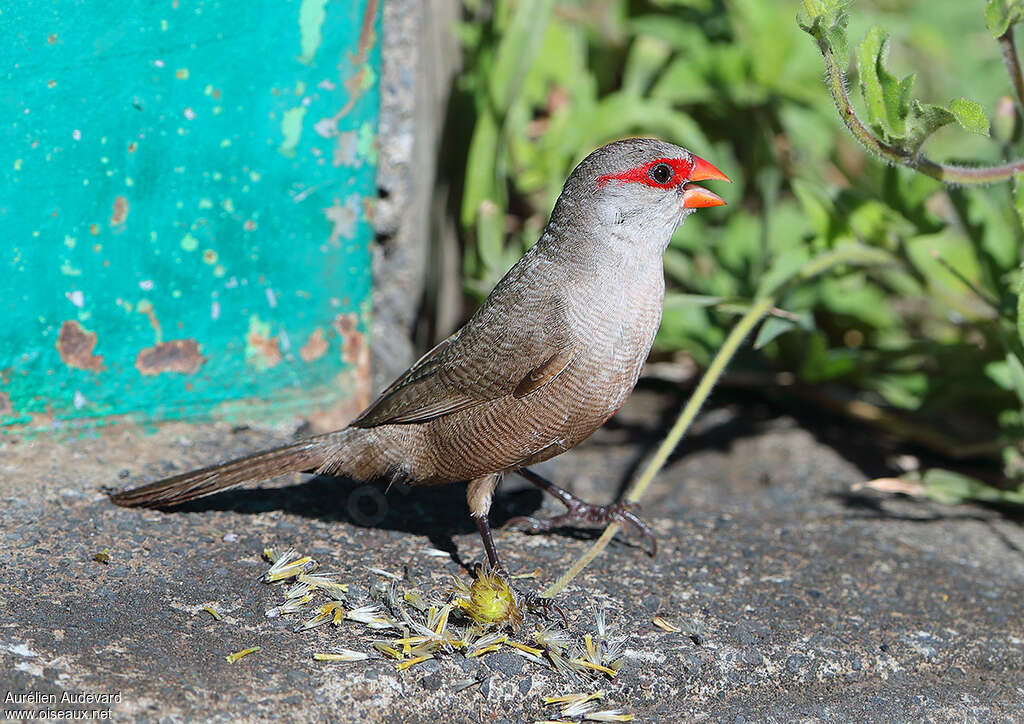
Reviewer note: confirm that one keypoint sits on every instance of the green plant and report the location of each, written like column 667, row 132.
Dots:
column 930, row 343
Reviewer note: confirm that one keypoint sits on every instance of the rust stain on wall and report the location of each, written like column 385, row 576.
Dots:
column 120, row 213
column 178, row 355
column 353, row 342
column 75, row 345
column 315, row 346
column 265, row 350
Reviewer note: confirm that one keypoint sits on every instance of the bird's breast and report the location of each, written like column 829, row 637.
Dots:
column 616, row 324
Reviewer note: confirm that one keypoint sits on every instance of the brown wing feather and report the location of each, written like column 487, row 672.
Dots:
column 536, row 378
column 511, row 337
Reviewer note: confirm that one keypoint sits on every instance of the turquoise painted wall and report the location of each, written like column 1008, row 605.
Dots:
column 184, row 198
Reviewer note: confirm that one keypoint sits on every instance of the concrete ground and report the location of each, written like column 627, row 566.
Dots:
column 796, row 598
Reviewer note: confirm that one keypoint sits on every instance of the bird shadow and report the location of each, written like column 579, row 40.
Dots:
column 437, row 513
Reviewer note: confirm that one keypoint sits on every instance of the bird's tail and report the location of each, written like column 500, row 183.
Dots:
column 334, row 452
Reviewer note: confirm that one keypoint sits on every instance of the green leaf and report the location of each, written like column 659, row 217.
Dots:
column 893, row 116
column 1016, row 374
column 970, row 115
column 1020, row 305
column 946, row 486
column 786, row 266
column 826, row 20
column 480, row 181
column 886, row 97
column 1001, row 14
column 772, row 328
column 646, row 56
column 519, row 45
column 490, row 235
column 676, row 299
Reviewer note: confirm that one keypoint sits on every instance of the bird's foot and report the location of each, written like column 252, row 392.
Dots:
column 578, row 511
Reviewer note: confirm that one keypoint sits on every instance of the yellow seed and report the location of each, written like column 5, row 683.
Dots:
column 232, row 658
column 411, row 640
column 411, row 662
column 665, row 625
column 573, row 698
column 385, row 649
column 532, row 574
column 484, row 650
column 524, row 647
column 595, row 667
column 346, row 656
column 213, row 612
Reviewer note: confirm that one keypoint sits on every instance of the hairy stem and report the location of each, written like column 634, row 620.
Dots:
column 967, row 176
column 1012, row 62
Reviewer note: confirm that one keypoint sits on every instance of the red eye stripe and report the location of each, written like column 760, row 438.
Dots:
column 680, row 166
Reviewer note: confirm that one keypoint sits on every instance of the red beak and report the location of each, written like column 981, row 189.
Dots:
column 704, row 171
column 697, row 197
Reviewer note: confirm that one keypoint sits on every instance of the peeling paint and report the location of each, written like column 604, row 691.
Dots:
column 219, row 241
column 261, row 350
column 146, row 307
column 342, row 218
column 353, row 345
column 75, row 345
column 120, row 213
column 368, row 143
column 315, row 346
column 312, row 14
column 178, row 355
column 346, row 149
column 291, row 129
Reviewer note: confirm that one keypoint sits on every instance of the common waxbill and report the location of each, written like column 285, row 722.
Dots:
column 550, row 355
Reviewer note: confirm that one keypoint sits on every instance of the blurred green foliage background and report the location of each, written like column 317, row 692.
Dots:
column 929, row 346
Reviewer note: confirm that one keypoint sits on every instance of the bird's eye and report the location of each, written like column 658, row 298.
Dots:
column 661, row 173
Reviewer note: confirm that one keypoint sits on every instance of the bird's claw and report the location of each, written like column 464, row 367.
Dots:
column 580, row 512
column 535, row 601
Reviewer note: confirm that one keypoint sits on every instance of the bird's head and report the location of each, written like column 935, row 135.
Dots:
column 637, row 188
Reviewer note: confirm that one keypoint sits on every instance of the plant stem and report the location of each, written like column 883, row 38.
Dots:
column 725, row 354
column 967, row 176
column 1012, row 62
column 850, row 254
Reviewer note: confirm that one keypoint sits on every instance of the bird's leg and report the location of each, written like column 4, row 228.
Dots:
column 478, row 495
column 578, row 511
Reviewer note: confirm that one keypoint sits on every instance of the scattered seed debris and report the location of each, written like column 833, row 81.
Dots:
column 576, row 706
column 410, row 627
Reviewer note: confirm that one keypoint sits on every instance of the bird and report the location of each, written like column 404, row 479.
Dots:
column 550, row 355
